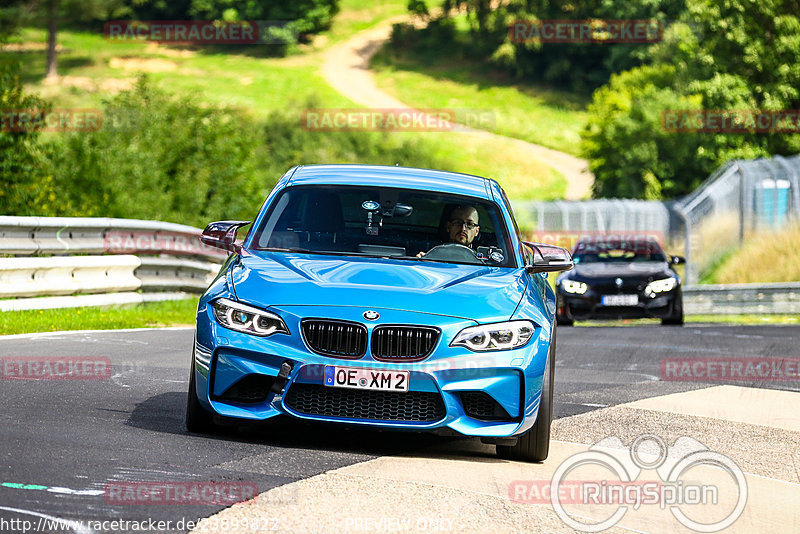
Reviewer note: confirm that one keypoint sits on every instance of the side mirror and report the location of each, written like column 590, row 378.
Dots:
column 677, row 260
column 222, row 234
column 548, row 258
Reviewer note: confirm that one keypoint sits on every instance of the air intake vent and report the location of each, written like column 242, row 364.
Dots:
column 250, row 389
column 480, row 405
column 341, row 339
column 314, row 399
column 398, row 343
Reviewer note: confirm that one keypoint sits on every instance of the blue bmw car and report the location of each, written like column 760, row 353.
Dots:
column 391, row 297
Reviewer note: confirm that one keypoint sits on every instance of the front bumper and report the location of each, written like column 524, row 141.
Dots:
column 492, row 394
column 589, row 306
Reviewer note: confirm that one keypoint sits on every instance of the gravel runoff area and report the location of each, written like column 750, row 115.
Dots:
column 465, row 488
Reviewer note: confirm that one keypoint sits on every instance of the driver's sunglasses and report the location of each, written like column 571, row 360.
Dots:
column 469, row 225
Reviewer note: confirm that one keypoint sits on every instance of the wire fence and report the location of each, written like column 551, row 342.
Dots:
column 741, row 197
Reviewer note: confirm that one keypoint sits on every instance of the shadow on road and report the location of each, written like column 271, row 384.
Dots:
column 164, row 413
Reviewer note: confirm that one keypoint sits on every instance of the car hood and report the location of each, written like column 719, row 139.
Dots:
column 484, row 294
column 650, row 270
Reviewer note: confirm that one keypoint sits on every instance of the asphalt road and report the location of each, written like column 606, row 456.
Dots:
column 63, row 441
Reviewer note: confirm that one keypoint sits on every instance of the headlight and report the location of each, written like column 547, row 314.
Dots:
column 497, row 336
column 661, row 286
column 244, row 318
column 571, row 286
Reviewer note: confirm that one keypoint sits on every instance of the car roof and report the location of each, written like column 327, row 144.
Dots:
column 392, row 176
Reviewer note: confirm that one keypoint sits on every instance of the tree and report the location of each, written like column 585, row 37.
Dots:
column 21, row 161
column 54, row 13
column 10, row 14
column 740, row 55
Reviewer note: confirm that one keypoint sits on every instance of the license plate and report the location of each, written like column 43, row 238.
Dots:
column 619, row 300
column 358, row 378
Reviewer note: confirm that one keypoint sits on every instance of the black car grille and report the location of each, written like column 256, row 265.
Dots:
column 314, row 399
column 480, row 405
column 403, row 343
column 342, row 339
column 610, row 288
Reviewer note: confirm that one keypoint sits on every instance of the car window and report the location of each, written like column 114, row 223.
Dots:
column 379, row 221
column 634, row 250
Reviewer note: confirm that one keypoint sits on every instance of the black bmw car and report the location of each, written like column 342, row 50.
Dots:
column 618, row 278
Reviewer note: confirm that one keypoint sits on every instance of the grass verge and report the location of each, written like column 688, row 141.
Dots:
column 449, row 77
column 147, row 315
column 765, row 257
column 358, row 15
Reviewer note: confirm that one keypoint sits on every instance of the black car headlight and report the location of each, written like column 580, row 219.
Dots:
column 247, row 319
column 497, row 336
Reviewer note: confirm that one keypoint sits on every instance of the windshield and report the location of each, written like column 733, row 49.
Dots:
column 634, row 250
column 385, row 222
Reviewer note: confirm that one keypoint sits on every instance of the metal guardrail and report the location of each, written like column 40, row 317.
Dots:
column 118, row 261
column 734, row 299
column 28, row 236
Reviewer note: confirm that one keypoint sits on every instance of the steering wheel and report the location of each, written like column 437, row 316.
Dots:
column 453, row 252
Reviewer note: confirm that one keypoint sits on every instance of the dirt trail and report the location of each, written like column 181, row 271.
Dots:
column 346, row 69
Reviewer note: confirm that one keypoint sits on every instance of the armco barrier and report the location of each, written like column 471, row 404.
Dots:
column 172, row 274
column 733, row 299
column 67, row 275
column 78, row 261
column 27, row 236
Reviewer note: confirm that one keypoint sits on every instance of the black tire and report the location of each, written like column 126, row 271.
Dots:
column 676, row 317
column 198, row 419
column 534, row 445
column 566, row 319
column 563, row 321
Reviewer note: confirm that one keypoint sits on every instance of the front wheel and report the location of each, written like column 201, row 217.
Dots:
column 563, row 317
column 534, row 445
column 198, row 420
column 676, row 317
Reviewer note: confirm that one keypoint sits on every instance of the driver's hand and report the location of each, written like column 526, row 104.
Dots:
column 420, row 254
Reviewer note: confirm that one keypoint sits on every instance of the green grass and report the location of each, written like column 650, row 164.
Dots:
column 766, row 256
column 147, row 315
column 358, row 15
column 93, row 68
column 436, row 79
